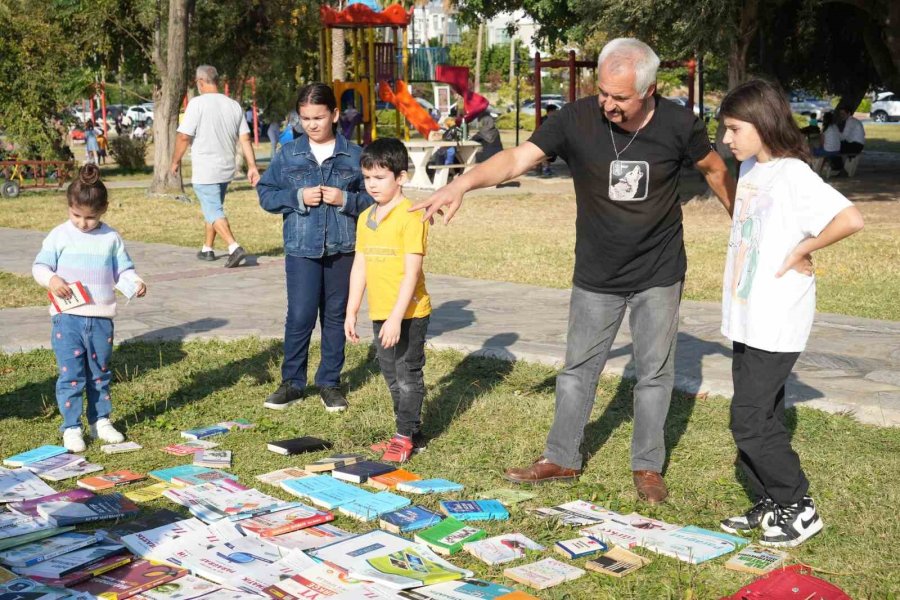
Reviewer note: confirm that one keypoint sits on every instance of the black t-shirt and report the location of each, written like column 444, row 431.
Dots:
column 628, row 233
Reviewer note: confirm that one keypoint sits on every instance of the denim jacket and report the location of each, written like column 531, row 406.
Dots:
column 315, row 231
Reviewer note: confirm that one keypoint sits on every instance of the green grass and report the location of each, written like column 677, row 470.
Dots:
column 526, row 238
column 18, row 290
column 486, row 415
column 882, row 138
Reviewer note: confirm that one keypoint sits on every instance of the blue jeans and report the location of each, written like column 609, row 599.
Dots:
column 83, row 348
column 212, row 200
column 594, row 320
column 315, row 287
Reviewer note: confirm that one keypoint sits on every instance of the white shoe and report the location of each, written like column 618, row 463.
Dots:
column 104, row 430
column 793, row 525
column 72, row 440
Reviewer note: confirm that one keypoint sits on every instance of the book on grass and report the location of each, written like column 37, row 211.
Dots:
column 29, row 507
column 15, row 525
column 501, row 548
column 465, row 589
column 239, row 424
column 319, row 581
column 12, row 542
column 242, row 563
column 276, row 477
column 64, row 564
column 543, row 573
column 409, row 519
column 448, row 536
column 45, row 549
column 21, row 484
column 186, row 587
column 130, row 580
column 146, row 521
column 149, row 492
column 110, row 480
column 212, row 502
column 70, row 471
column 213, row 458
column 276, row 523
column 54, row 462
column 693, row 544
column 389, row 560
column 35, row 455
column 23, row 588
column 474, row 510
column 207, row 476
column 371, row 507
column 121, row 447
column 97, row 508
column 331, row 462
column 200, row 433
column 85, row 572
column 325, row 491
column 79, row 297
column 147, row 543
column 298, row 445
column 389, row 481
column 507, row 496
column 429, row 486
column 580, row 547
column 310, row 538
column 756, row 560
column 186, row 448
column 618, row 562
column 577, row 513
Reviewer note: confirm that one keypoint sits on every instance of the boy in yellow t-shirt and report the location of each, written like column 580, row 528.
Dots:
column 390, row 248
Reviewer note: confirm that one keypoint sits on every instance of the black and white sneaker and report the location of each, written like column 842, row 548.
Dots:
column 793, row 525
column 333, row 399
column 761, row 515
column 284, row 396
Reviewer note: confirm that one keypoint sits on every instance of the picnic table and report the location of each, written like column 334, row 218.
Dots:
column 421, row 151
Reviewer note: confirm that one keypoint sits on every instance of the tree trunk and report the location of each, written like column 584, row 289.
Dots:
column 478, row 58
column 338, row 58
column 740, row 43
column 168, row 94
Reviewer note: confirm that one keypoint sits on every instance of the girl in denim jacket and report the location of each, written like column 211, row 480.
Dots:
column 315, row 184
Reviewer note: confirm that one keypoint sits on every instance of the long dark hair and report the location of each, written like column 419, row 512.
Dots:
column 88, row 191
column 764, row 105
column 318, row 93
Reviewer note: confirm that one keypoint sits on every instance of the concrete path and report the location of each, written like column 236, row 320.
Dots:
column 852, row 365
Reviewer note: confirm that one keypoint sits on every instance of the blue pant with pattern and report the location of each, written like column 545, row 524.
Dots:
column 83, row 348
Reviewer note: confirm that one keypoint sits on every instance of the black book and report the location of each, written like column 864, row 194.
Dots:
column 143, row 523
column 298, row 445
column 359, row 472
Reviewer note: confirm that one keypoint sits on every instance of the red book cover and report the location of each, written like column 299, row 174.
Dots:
column 109, row 480
column 286, row 521
column 78, row 298
column 84, row 573
column 131, row 579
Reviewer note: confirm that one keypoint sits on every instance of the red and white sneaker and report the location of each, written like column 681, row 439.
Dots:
column 399, row 449
column 419, row 442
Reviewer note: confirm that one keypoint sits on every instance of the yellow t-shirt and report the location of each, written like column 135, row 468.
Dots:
column 384, row 246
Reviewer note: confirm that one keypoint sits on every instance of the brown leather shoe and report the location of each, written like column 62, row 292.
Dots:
column 650, row 486
column 541, row 471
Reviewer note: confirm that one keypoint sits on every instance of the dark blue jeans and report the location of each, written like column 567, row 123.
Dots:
column 316, row 287
column 83, row 348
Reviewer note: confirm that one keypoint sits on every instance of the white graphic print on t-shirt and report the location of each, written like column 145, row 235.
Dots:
column 628, row 180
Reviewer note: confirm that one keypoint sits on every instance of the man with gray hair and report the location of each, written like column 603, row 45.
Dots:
column 212, row 125
column 625, row 150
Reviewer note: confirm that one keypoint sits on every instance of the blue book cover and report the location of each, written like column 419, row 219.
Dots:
column 429, row 486
column 337, row 494
column 185, row 471
column 409, row 519
column 305, row 485
column 474, row 510
column 369, row 508
column 199, row 433
column 42, row 453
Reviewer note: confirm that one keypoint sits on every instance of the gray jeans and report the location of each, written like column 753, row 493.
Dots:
column 594, row 320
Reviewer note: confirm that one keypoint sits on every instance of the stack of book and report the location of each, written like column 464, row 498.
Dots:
column 188, row 448
column 62, row 466
column 213, row 459
column 35, row 455
column 332, row 462
column 21, row 484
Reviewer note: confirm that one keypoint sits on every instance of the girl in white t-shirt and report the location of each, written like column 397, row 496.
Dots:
column 783, row 212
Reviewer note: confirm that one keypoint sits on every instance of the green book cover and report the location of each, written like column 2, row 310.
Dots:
column 448, row 536
column 410, row 563
column 33, row 536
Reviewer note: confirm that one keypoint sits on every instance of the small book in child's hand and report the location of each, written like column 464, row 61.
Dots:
column 298, row 445
column 127, row 286
column 78, row 298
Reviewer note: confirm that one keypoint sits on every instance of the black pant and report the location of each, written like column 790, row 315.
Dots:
column 851, row 148
column 402, row 367
column 757, row 424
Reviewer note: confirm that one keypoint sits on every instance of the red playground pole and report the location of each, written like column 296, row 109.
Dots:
column 103, row 108
column 255, row 115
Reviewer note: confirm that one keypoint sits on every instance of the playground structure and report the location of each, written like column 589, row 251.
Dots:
column 14, row 175
column 380, row 69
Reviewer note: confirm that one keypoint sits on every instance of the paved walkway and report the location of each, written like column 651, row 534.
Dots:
column 852, row 365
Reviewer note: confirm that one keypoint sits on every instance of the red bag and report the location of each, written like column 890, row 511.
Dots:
column 791, row 583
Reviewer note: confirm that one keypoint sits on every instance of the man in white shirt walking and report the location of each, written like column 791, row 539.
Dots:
column 212, row 125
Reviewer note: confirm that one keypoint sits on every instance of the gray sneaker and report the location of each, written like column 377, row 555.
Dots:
column 235, row 258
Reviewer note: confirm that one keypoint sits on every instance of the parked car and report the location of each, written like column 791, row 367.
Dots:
column 140, row 114
column 708, row 111
column 810, row 106
column 553, row 100
column 112, row 111
column 886, row 108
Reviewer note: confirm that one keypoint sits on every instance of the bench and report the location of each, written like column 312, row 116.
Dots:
column 822, row 165
column 442, row 173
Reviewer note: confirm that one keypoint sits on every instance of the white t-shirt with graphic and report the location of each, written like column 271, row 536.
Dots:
column 779, row 203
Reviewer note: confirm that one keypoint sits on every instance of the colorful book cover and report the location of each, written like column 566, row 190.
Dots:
column 186, row 448
column 78, row 297
column 205, row 477
column 29, row 507
column 12, row 542
column 390, row 561
column 180, row 470
column 40, row 453
column 310, row 538
column 756, row 560
column 239, row 424
column 64, row 564
column 15, row 525
column 149, row 492
column 577, row 513
column 85, row 572
column 474, row 510
column 151, row 543
column 276, row 477
column 409, row 519
column 130, row 580
column 144, row 522
column 389, row 481
column 580, row 547
column 200, row 433
column 276, row 523
column 241, row 563
column 448, row 536
column 110, row 480
column 372, row 507
column 54, row 462
column 187, row 587
column 465, row 589
column 507, row 496
column 501, row 548
column 45, row 549
column 618, row 562
column 544, row 573
column 71, row 470
column 23, row 588
column 21, row 484
column 98, row 508
column 429, row 486
column 693, row 544
column 330, row 462
column 213, row 458
column 121, row 447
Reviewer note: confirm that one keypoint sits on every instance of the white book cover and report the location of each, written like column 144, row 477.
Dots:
column 310, row 538
column 121, row 447
column 544, row 573
column 178, row 550
column 21, row 484
column 690, row 544
column 321, row 581
column 647, row 524
column 54, row 462
column 390, row 560
column 145, row 543
column 464, row 589
column 576, row 513
column 70, row 471
column 187, row 587
column 613, row 531
column 501, row 548
column 247, row 564
column 60, row 565
column 45, row 549
column 276, row 477
column 580, row 546
column 14, row 524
